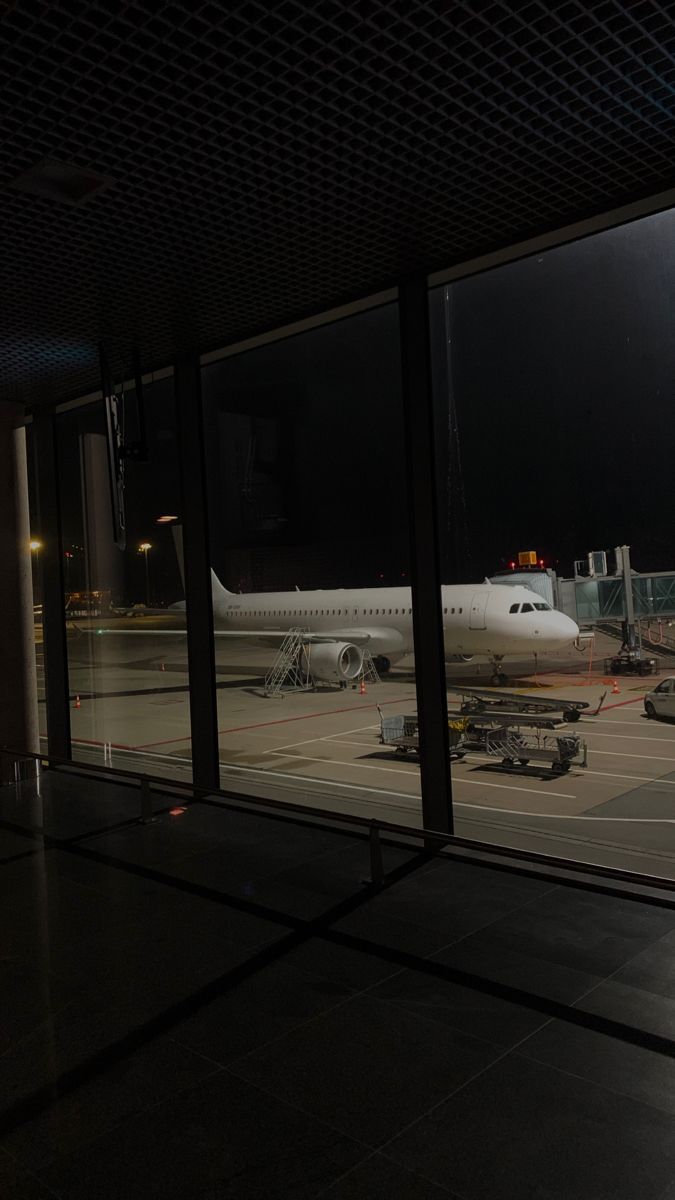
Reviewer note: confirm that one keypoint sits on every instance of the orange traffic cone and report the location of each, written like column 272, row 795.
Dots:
column 77, row 702
column 616, row 691
column 362, row 686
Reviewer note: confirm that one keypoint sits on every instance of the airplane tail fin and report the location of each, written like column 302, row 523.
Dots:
column 217, row 587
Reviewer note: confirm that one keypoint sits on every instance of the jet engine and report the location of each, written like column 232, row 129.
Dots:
column 459, row 657
column 335, row 662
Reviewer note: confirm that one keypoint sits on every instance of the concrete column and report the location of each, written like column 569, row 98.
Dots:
column 18, row 676
column 103, row 561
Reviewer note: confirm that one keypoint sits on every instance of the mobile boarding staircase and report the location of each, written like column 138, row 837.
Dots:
column 291, row 670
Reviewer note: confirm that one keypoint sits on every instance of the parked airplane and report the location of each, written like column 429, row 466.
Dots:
column 490, row 620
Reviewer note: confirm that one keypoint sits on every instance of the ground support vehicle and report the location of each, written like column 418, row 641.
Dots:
column 514, row 746
column 515, row 742
column 480, row 700
column 402, row 734
column 631, row 663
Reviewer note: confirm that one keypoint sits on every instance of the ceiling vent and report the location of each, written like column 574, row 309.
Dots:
column 60, row 181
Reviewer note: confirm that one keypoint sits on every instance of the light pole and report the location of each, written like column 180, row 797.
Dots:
column 35, row 548
column 68, row 554
column 143, row 549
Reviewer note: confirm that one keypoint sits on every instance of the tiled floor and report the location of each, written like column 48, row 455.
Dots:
column 216, row 1005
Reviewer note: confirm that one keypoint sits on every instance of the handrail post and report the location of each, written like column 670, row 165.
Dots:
column 146, row 801
column 376, row 861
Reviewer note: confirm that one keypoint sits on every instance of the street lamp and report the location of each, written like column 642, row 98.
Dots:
column 35, row 548
column 143, row 549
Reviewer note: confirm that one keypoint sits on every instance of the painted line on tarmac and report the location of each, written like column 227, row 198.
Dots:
column 598, row 721
column 513, row 812
column 629, row 778
column 329, row 737
column 624, row 754
column 336, row 741
column 458, row 779
column 633, row 737
column 280, row 721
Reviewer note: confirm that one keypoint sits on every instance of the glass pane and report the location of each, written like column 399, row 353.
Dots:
column 553, row 385
column 309, row 534
column 125, row 612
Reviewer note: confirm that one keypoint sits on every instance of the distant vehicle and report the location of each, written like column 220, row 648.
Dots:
column 128, row 610
column 661, row 702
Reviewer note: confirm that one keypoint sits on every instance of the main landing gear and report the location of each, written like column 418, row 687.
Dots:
column 499, row 678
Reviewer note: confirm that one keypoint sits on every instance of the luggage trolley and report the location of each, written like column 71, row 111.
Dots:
column 515, row 747
column 402, row 733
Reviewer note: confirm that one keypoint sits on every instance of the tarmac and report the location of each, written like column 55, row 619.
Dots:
column 322, row 747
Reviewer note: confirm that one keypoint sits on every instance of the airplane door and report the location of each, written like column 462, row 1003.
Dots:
column 477, row 614
column 355, row 616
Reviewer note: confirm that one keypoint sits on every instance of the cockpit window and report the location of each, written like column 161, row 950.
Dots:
column 526, row 608
column 514, row 608
column 543, row 607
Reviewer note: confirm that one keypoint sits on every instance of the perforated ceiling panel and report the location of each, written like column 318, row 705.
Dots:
column 271, row 160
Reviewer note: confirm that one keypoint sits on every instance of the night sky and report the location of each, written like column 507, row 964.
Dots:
column 561, row 373
column 563, row 376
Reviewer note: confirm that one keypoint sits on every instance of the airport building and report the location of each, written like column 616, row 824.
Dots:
column 337, row 775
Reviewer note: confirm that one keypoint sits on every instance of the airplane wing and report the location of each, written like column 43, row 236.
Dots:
column 357, row 637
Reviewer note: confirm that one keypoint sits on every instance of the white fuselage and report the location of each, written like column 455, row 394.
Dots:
column 477, row 619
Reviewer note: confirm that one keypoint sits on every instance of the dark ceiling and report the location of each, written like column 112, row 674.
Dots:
column 267, row 161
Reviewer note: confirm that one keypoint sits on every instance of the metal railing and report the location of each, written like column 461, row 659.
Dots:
column 591, row 877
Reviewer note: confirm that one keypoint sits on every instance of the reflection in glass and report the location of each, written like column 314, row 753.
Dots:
column 125, row 613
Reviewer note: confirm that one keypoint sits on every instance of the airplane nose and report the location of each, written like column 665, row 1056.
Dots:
column 567, row 630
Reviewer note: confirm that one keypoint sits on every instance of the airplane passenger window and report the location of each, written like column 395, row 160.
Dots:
column 452, row 611
column 514, row 608
column 460, row 610
column 527, row 608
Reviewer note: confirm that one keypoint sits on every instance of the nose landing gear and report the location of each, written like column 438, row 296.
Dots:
column 499, row 677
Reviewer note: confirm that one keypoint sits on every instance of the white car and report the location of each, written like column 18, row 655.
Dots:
column 661, row 702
